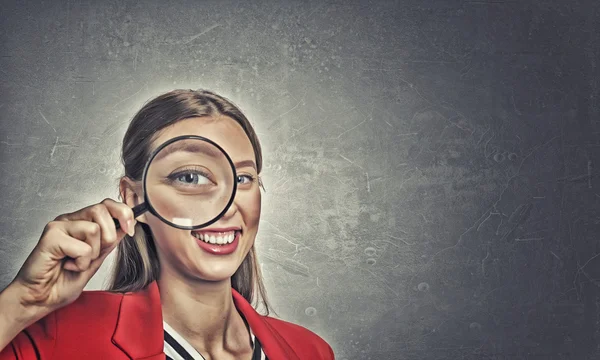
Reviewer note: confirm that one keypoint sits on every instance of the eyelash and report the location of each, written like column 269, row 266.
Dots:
column 250, row 177
column 173, row 177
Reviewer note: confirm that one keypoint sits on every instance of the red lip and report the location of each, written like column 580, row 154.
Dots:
column 218, row 229
column 216, row 249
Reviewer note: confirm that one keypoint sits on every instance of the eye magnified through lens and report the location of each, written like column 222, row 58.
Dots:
column 189, row 183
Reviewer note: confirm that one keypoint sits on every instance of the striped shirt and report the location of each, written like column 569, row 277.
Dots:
column 177, row 348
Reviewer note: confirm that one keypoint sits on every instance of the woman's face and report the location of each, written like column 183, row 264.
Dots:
column 191, row 253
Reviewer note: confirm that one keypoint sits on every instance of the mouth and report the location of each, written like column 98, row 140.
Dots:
column 217, row 236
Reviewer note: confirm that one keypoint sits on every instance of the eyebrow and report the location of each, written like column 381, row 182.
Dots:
column 200, row 147
column 187, row 146
column 245, row 163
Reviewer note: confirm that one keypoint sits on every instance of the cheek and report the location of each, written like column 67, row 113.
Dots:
column 253, row 209
column 249, row 207
column 165, row 236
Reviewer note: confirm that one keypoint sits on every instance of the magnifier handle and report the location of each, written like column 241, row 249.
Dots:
column 137, row 211
column 117, row 223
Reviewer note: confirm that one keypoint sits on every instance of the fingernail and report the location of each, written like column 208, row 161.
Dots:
column 130, row 228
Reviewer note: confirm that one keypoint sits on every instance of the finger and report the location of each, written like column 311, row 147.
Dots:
column 82, row 231
column 117, row 210
column 77, row 254
column 123, row 213
column 109, row 234
column 96, row 263
column 86, row 231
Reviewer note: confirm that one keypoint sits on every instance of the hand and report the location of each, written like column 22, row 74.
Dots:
column 68, row 254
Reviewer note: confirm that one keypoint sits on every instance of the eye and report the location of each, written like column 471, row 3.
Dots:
column 245, row 179
column 190, row 178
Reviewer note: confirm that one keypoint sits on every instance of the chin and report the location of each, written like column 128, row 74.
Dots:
column 215, row 272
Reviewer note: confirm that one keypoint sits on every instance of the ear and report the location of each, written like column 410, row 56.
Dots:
column 130, row 192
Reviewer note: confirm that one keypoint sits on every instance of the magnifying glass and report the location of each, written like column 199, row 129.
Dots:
column 189, row 182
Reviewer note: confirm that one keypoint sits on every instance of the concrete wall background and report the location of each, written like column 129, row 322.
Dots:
column 431, row 166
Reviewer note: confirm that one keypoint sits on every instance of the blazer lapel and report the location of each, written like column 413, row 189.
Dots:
column 274, row 346
column 139, row 330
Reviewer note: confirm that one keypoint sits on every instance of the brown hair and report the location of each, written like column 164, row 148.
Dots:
column 137, row 262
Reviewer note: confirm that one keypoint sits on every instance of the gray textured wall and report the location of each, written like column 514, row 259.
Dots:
column 431, row 166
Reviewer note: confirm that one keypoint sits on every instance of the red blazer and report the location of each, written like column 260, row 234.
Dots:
column 104, row 325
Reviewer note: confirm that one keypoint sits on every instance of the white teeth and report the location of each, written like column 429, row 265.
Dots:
column 217, row 238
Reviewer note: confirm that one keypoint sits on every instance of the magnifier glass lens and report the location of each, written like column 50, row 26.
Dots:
column 189, row 182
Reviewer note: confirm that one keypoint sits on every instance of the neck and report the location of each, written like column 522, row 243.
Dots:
column 203, row 312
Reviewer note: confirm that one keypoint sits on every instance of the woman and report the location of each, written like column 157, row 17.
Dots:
column 168, row 295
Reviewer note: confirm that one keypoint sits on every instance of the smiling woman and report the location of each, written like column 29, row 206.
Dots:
column 175, row 293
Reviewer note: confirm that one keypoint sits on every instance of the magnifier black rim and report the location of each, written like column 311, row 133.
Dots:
column 147, row 166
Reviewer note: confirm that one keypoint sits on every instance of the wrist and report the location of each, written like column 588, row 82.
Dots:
column 14, row 315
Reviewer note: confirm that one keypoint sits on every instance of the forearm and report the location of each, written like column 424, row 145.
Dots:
column 14, row 316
